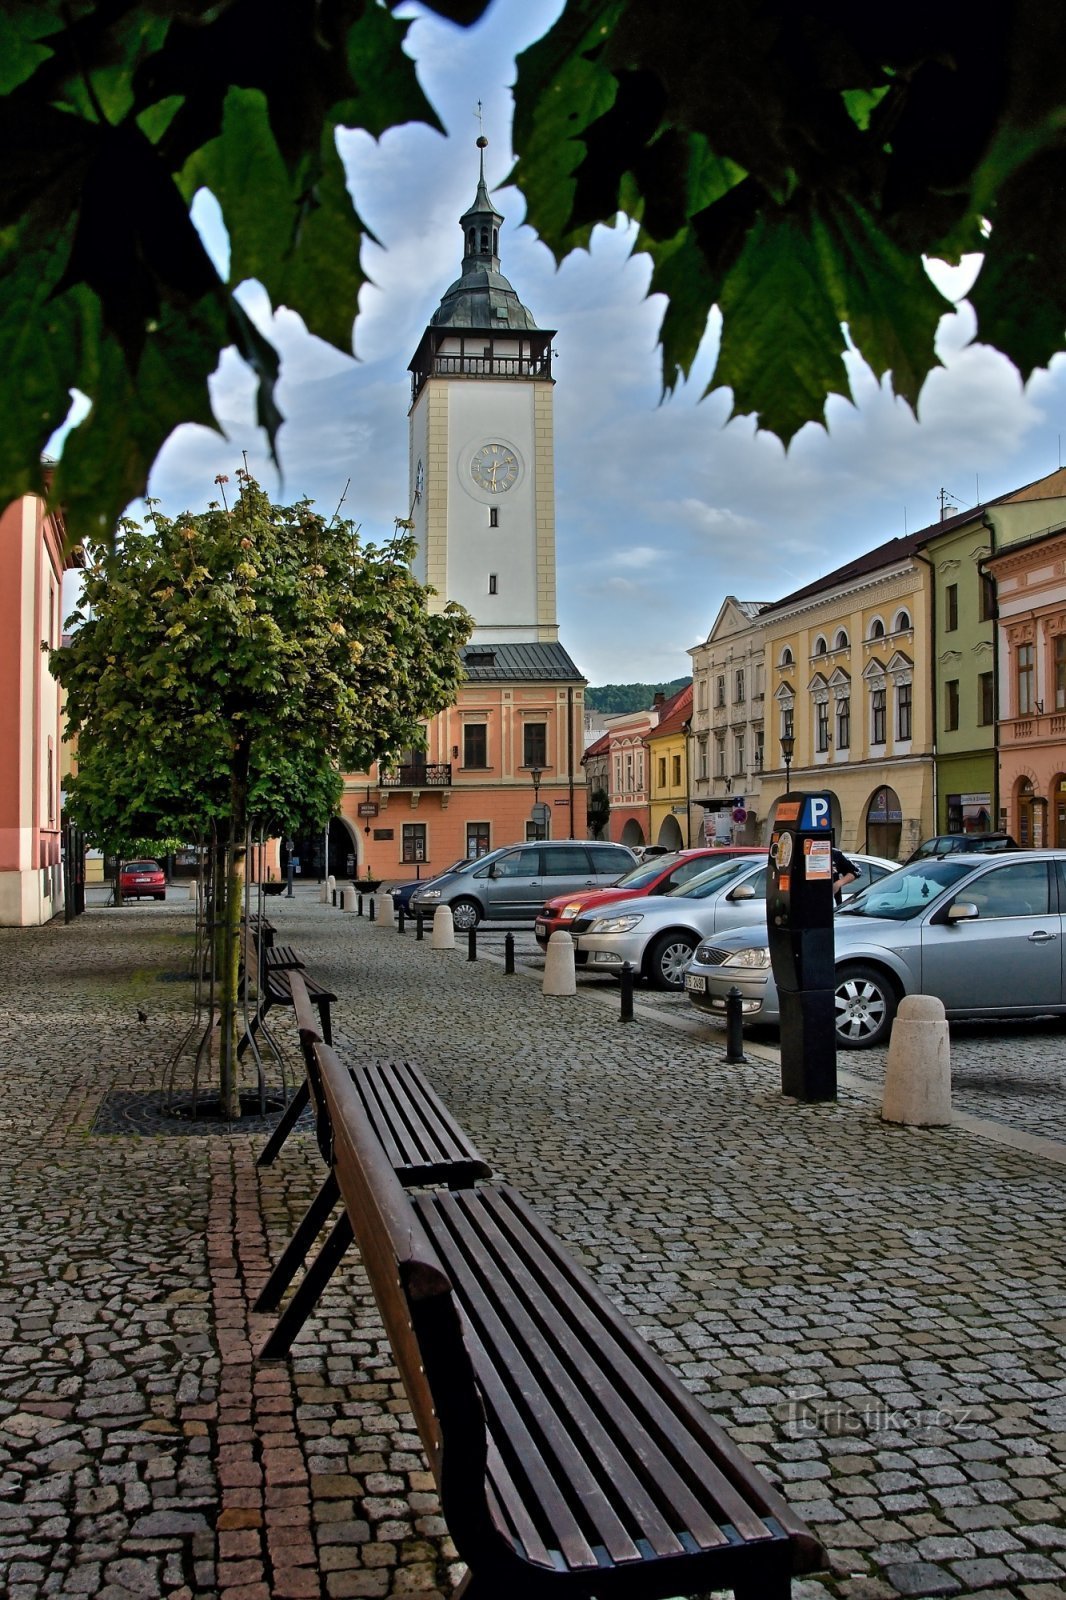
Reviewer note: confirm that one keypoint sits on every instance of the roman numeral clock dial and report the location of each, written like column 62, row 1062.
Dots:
column 494, row 468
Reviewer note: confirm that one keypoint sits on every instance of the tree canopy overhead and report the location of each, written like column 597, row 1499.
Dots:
column 792, row 162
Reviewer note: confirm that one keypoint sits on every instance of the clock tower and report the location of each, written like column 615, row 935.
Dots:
column 481, row 446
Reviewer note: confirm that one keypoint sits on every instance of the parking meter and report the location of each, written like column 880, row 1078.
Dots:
column 799, row 923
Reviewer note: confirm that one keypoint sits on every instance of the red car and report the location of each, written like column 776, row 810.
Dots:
column 654, row 876
column 142, row 880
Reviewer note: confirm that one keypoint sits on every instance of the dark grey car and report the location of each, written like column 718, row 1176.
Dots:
column 512, row 884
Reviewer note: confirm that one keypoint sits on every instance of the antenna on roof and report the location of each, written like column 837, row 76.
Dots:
column 948, row 506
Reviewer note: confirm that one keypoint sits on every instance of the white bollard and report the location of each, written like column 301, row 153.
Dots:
column 443, row 934
column 348, row 899
column 324, row 894
column 918, row 1071
column 331, row 883
column 559, row 975
column 192, row 890
column 386, row 911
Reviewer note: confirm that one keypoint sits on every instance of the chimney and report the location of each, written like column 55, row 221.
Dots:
column 660, row 700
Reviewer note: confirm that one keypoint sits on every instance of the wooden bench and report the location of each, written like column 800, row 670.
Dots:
column 272, row 970
column 421, row 1139
column 570, row 1460
column 263, row 930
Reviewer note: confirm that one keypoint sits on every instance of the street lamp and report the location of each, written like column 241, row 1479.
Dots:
column 788, row 745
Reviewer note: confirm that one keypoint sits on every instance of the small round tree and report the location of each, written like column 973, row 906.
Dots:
column 229, row 666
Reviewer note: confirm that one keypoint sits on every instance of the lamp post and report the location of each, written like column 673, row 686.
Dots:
column 788, row 745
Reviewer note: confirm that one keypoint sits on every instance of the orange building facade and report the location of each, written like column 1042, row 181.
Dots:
column 31, row 607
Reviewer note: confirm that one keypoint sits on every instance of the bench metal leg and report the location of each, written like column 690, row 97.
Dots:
column 285, row 1125
column 253, row 1027
column 326, row 1021
column 309, row 1292
column 294, row 1254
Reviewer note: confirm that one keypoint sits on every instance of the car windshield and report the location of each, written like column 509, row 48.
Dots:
column 908, row 892
column 141, row 866
column 645, row 872
column 711, row 881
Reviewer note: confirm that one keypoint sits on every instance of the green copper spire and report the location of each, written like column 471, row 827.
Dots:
column 481, row 297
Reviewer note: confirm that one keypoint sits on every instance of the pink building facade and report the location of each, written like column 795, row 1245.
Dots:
column 31, row 615
column 1031, row 594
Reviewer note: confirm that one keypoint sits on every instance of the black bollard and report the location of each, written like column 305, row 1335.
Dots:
column 734, row 1033
column 471, row 944
column 359, row 905
column 420, row 925
column 372, row 908
column 399, row 919
column 334, row 897
column 508, row 954
column 626, row 981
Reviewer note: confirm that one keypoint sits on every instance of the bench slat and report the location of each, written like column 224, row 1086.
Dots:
column 422, row 1139
column 594, row 1427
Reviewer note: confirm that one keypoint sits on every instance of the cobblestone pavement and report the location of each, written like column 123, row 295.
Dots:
column 876, row 1314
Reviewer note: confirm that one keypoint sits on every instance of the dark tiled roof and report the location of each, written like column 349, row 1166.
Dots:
column 534, row 662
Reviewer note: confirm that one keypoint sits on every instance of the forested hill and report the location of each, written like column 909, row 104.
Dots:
column 615, row 697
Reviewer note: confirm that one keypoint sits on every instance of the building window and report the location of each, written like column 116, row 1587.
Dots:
column 475, row 744
column 738, row 754
column 951, row 608
column 877, row 709
column 759, row 746
column 719, row 755
column 844, row 724
column 903, row 711
column 877, row 629
column 719, row 691
column 986, row 699
column 1023, row 679
column 676, row 773
column 535, row 744
column 492, row 583
column 988, row 597
column 703, row 694
column 51, row 784
column 662, row 772
column 819, row 646
column 902, row 622
column 951, row 704
column 821, row 723
column 703, row 759
column 414, row 841
column 738, row 688
column 787, row 659
column 494, row 516
column 841, row 640
column 787, row 722
column 477, row 840
column 1059, row 665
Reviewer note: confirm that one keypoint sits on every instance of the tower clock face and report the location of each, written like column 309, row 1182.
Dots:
column 494, row 468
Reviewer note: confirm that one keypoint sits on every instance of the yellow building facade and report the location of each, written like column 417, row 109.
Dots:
column 669, row 778
column 848, row 674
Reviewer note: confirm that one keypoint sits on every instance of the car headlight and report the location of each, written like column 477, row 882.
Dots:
column 429, row 894
column 617, row 924
column 756, row 958
column 569, row 912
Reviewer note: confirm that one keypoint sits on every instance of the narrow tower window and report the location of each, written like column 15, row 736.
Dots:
column 494, row 516
column 492, row 583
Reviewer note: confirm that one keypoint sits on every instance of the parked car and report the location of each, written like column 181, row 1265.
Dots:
column 658, row 934
column 946, row 844
column 654, row 876
column 982, row 933
column 400, row 894
column 142, row 880
column 511, row 884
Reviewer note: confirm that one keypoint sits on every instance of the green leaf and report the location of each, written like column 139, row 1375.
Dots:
column 38, row 361
column 23, row 25
column 782, row 343
column 1020, row 304
column 891, row 306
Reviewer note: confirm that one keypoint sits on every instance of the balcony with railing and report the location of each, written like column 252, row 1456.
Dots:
column 427, row 775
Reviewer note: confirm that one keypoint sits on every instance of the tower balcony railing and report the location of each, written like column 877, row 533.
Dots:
column 431, row 775
column 468, row 366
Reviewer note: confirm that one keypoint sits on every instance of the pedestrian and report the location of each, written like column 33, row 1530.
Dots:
column 844, row 872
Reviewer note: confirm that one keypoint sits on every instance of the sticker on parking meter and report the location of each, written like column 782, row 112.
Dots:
column 781, row 851
column 819, row 859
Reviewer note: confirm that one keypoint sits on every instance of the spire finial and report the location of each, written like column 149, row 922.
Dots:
column 482, row 142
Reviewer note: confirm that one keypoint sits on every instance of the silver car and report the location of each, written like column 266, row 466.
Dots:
column 657, row 934
column 982, row 933
column 511, row 884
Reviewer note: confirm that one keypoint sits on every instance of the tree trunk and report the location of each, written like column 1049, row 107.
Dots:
column 228, row 916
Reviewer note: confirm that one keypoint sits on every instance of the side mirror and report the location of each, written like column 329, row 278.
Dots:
column 743, row 891
column 496, row 870
column 962, row 911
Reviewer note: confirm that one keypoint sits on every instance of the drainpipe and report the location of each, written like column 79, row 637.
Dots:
column 994, row 619
column 570, row 752
column 935, row 697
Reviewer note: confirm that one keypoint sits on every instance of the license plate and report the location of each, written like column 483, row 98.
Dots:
column 541, row 928
column 695, row 984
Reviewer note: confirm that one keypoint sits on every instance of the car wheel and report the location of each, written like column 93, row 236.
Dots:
column 466, row 914
column 667, row 960
column 866, row 1002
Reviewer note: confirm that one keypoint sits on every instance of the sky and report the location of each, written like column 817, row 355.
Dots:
column 663, row 507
